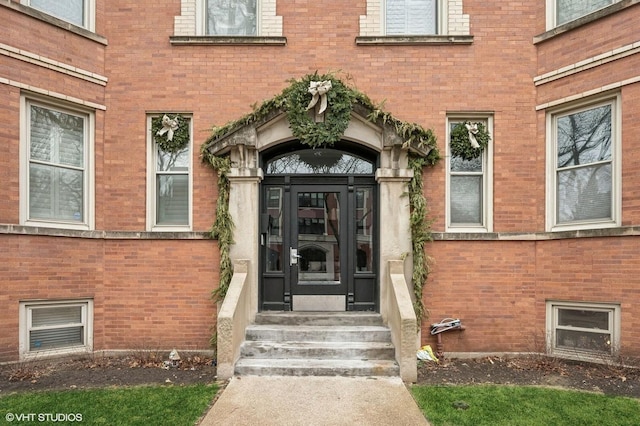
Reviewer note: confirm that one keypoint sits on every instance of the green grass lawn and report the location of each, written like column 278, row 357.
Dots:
column 145, row 405
column 522, row 406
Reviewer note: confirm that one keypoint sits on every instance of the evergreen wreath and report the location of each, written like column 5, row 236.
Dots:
column 174, row 139
column 461, row 145
column 336, row 117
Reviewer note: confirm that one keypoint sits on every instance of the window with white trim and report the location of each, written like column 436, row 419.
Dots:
column 169, row 184
column 583, row 163
column 228, row 18
column 583, row 330
column 560, row 12
column 57, row 176
column 414, row 17
column 236, row 17
column 77, row 12
column 469, row 183
column 52, row 328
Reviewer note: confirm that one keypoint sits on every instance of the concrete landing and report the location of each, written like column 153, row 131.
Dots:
column 322, row 401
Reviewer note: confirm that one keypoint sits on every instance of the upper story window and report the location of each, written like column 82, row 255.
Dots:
column 231, row 17
column 411, row 17
column 584, row 177
column 77, row 12
column 228, row 18
column 57, row 182
column 169, row 182
column 563, row 11
column 469, row 184
column 414, row 17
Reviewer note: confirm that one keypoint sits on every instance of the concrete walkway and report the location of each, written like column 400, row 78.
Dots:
column 312, row 400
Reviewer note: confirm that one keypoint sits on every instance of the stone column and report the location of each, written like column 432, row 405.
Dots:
column 244, row 196
column 395, row 230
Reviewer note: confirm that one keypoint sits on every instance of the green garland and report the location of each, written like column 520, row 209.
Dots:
column 420, row 234
column 461, row 144
column 336, row 118
column 222, row 228
column 180, row 137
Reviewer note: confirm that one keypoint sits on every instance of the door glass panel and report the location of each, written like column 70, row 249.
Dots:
column 273, row 236
column 318, row 216
column 364, row 230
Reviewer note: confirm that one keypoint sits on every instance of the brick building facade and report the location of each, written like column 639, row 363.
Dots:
column 525, row 252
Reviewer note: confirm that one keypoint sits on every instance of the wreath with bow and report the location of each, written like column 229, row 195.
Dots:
column 171, row 134
column 331, row 98
column 469, row 139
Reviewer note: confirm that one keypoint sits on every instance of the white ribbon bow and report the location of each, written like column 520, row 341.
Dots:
column 168, row 126
column 319, row 91
column 473, row 129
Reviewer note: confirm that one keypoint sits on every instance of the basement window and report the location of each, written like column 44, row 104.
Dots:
column 55, row 328
column 583, row 330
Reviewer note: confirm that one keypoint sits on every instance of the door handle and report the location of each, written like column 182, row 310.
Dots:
column 293, row 256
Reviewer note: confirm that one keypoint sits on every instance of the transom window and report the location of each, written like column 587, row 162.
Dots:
column 469, row 195
column 77, row 12
column 319, row 161
column 583, row 330
column 584, row 155
column 231, row 17
column 58, row 151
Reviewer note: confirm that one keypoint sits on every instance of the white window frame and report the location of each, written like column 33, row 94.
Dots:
column 441, row 18
column 26, row 100
column 89, row 14
column 25, row 327
column 552, row 326
column 552, row 13
column 616, row 154
column 487, row 164
column 201, row 18
column 151, row 181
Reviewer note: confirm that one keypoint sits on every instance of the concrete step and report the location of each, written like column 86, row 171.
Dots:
column 318, row 344
column 316, row 367
column 319, row 318
column 318, row 350
column 310, row 333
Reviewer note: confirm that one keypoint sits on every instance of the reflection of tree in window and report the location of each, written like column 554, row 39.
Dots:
column 584, row 165
column 56, row 169
column 319, row 161
column 231, row 17
column 172, row 187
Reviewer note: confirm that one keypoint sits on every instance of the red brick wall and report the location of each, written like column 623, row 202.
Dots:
column 147, row 294
column 499, row 289
column 142, row 301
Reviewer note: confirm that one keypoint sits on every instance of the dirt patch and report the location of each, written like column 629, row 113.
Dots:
column 137, row 369
column 96, row 372
column 536, row 371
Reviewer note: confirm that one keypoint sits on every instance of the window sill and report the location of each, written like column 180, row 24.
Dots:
column 414, row 40
column 599, row 14
column 227, row 41
column 41, row 16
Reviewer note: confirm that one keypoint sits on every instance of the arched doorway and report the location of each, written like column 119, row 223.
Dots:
column 318, row 229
